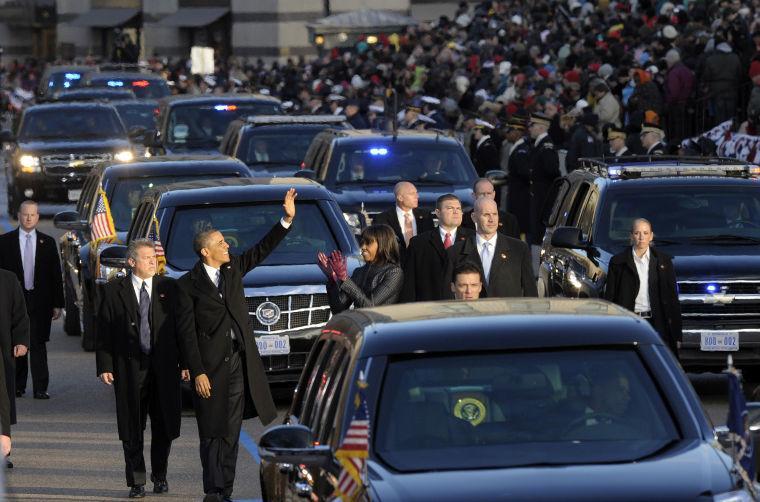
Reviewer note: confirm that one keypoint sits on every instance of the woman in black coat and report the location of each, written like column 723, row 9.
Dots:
column 377, row 282
column 659, row 302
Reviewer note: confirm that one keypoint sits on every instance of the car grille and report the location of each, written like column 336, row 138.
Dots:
column 296, row 312
column 730, row 288
column 65, row 164
column 292, row 361
column 736, row 302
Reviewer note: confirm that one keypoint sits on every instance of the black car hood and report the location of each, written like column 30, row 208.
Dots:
column 67, row 145
column 378, row 198
column 715, row 262
column 276, row 170
column 688, row 471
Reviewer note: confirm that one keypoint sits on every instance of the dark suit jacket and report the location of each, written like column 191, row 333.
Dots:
column 214, row 318
column 48, row 280
column 485, row 157
column 511, row 273
column 508, row 224
column 425, row 267
column 623, row 284
column 118, row 349
column 14, row 330
column 389, row 217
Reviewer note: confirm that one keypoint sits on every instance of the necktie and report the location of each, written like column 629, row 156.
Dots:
column 220, row 283
column 447, row 241
column 144, row 320
column 28, row 264
column 408, row 228
column 485, row 259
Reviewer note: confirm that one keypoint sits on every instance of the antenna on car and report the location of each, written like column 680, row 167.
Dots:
column 394, row 120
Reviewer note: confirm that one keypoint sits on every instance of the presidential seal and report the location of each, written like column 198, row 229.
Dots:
column 470, row 409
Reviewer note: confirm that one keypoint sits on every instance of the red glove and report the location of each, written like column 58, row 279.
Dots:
column 338, row 264
column 324, row 264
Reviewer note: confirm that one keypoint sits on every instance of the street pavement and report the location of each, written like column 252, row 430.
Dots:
column 67, row 448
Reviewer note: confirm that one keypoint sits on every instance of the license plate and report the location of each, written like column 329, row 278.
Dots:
column 273, row 345
column 719, row 341
column 74, row 195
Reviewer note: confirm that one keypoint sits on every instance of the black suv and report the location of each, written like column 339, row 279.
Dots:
column 56, row 146
column 361, row 167
column 286, row 294
column 144, row 85
column 275, row 145
column 705, row 213
column 124, row 185
column 58, row 78
column 196, row 124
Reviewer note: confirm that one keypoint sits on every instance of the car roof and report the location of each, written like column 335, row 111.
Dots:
column 125, row 75
column 493, row 324
column 234, row 190
column 64, row 68
column 181, row 99
column 68, row 105
column 349, row 135
column 172, row 164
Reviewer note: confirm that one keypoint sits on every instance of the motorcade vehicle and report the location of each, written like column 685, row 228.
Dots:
column 286, row 293
column 123, row 186
column 61, row 77
column 705, row 213
column 494, row 399
column 93, row 94
column 54, row 147
column 143, row 85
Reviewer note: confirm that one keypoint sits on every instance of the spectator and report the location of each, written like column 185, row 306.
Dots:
column 679, row 88
column 721, row 80
column 607, row 107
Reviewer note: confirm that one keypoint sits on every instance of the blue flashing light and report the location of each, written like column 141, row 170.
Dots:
column 51, row 84
column 66, row 85
column 72, row 76
column 712, row 288
column 615, row 172
column 115, row 83
column 225, row 108
column 378, row 151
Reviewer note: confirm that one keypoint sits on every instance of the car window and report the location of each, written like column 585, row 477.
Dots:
column 557, row 194
column 204, row 125
column 144, row 210
column 300, row 394
column 575, row 208
column 315, row 381
column 326, row 429
column 76, row 123
column 464, row 411
column 88, row 191
column 284, row 146
column 680, row 213
column 58, row 81
column 329, row 380
column 246, row 224
column 586, row 218
column 137, row 114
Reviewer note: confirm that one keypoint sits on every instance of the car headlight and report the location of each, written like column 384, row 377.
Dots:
column 105, row 274
column 29, row 163
column 124, row 156
column 353, row 221
column 735, row 496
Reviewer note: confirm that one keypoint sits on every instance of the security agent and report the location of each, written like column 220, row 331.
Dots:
column 651, row 139
column 508, row 224
column 229, row 376
column 467, row 282
column 544, row 169
column 643, row 280
column 616, row 138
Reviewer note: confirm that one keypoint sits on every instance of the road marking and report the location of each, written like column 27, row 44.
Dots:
column 250, row 445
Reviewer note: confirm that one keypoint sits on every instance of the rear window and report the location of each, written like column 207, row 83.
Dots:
column 143, row 88
column 274, row 147
column 137, row 114
column 518, row 409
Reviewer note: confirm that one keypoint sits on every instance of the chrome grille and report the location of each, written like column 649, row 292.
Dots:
column 734, row 302
column 729, row 287
column 296, row 312
column 64, row 164
column 292, row 361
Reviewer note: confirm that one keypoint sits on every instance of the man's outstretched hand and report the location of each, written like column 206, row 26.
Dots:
column 289, row 205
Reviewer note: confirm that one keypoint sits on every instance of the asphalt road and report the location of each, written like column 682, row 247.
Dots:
column 67, row 448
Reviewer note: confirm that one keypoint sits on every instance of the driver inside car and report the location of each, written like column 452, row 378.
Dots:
column 610, row 397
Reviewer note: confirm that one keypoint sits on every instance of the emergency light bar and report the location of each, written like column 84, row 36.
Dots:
column 295, row 119
column 683, row 170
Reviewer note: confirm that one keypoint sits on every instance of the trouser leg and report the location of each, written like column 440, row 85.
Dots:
column 22, row 370
column 133, row 448
column 39, row 365
column 160, row 443
column 235, row 420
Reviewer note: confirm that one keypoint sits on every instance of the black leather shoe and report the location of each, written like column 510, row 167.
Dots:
column 213, row 497
column 160, row 486
column 20, row 393
column 41, row 395
column 137, row 492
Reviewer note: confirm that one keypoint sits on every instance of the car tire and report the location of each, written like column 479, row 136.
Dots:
column 71, row 319
column 88, row 323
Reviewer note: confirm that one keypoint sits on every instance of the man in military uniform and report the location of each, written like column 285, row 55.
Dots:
column 485, row 156
column 651, row 139
column 411, row 116
column 518, row 171
column 616, row 138
column 430, row 106
column 544, row 169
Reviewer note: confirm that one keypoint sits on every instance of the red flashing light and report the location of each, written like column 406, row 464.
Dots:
column 140, row 83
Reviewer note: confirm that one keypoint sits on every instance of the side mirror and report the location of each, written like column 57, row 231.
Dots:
column 293, row 444
column 150, row 139
column 7, row 136
column 306, row 173
column 114, row 256
column 136, row 132
column 69, row 220
column 568, row 237
column 497, row 177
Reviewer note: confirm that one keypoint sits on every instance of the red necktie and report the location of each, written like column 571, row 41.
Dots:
column 447, row 241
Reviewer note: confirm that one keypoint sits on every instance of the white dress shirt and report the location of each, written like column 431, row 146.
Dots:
column 22, row 242
column 400, row 215
column 642, row 268
column 479, row 243
column 137, row 286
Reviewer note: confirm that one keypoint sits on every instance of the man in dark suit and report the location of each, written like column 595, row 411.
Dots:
column 33, row 257
column 14, row 340
column 504, row 261
column 426, row 258
column 518, row 170
column 484, row 154
column 230, row 381
column 466, row 282
column 508, row 224
column 145, row 324
column 544, row 169
column 406, row 219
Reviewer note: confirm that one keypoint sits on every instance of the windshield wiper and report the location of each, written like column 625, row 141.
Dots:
column 725, row 238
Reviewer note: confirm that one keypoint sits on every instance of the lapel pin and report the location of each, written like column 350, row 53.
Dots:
column 162, row 295
column 503, row 256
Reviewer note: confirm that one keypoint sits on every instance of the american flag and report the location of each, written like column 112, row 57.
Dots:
column 354, row 450
column 102, row 222
column 154, row 236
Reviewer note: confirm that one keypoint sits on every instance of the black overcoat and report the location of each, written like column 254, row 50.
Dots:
column 214, row 316
column 14, row 330
column 118, row 349
column 518, row 185
column 544, row 169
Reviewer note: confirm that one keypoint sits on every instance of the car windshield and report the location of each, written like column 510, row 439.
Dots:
column 137, row 114
column 127, row 193
column 64, row 80
column 283, row 146
column 387, row 161
column 681, row 214
column 517, row 409
column 143, row 88
column 203, row 126
column 245, row 225
column 76, row 123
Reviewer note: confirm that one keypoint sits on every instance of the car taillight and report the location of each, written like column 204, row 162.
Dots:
column 303, row 165
column 140, row 83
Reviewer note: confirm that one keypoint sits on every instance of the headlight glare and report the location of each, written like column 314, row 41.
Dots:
column 124, row 156
column 29, row 163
